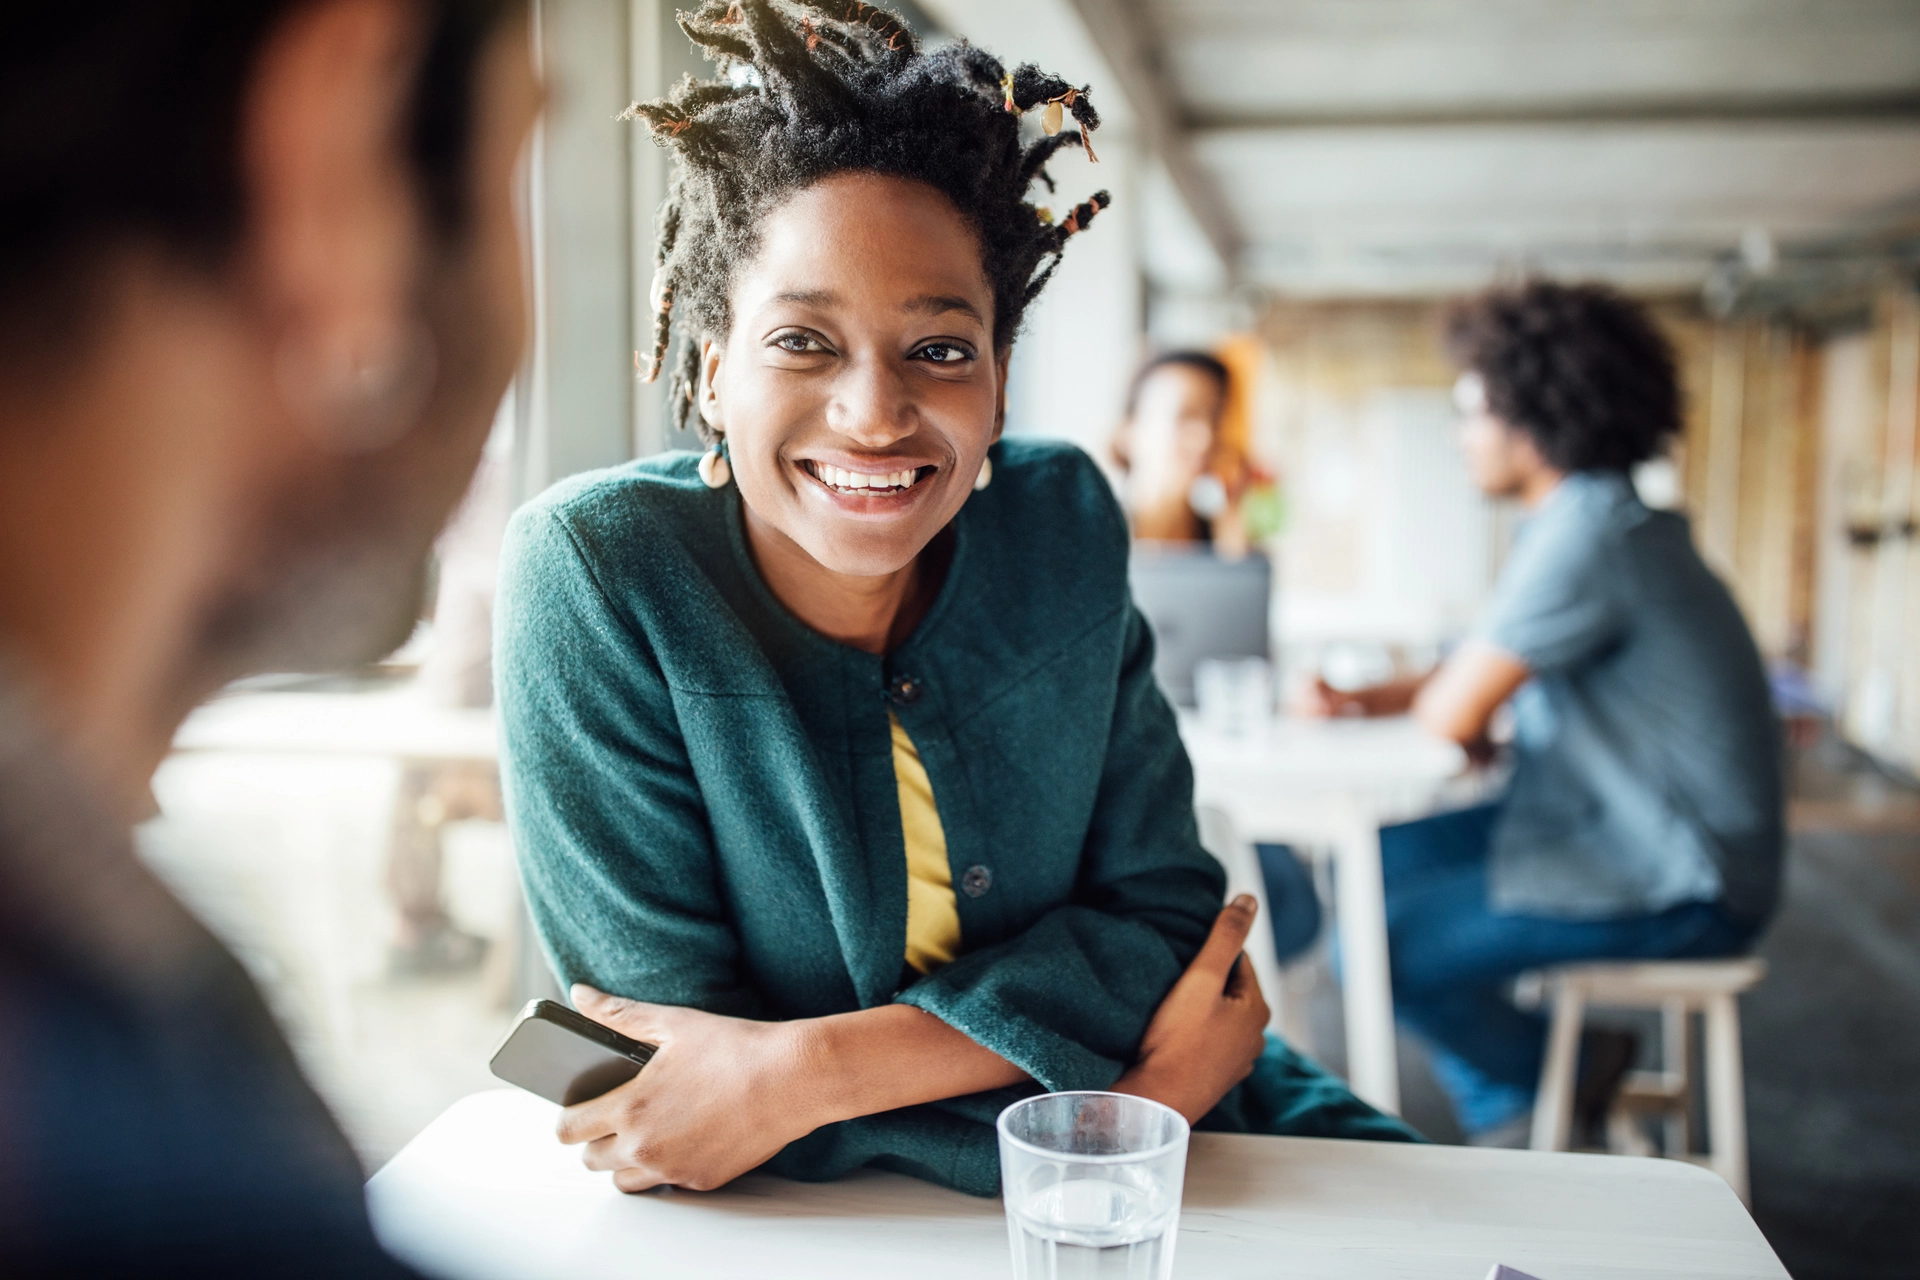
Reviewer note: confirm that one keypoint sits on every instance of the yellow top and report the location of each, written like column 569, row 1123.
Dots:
column 933, row 915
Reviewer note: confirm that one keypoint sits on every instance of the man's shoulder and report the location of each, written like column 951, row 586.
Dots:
column 133, row 1030
column 1584, row 526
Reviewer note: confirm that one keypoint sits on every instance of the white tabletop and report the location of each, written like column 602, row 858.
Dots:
column 486, row 1191
column 1388, row 751
column 397, row 722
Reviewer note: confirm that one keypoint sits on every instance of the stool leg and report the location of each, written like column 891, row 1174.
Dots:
column 1553, row 1103
column 1676, row 1062
column 1726, row 1094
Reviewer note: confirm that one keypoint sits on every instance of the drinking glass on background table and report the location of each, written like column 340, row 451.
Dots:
column 1234, row 695
column 1092, row 1186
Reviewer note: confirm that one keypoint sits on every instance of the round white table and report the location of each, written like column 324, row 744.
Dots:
column 1333, row 784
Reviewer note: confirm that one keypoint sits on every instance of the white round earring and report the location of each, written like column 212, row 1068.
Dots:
column 715, row 470
column 985, row 477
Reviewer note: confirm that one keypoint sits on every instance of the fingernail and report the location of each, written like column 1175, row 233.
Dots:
column 1245, row 902
column 581, row 993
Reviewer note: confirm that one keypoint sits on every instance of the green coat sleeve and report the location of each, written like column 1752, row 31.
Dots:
column 601, row 798
column 1068, row 999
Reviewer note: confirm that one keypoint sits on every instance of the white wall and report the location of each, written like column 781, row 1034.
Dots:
column 1387, row 540
column 1076, row 354
column 578, row 409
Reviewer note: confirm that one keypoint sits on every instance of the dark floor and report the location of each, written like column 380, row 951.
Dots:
column 1832, row 1041
column 1832, row 1037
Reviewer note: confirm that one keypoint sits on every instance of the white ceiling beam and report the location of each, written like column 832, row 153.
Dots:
column 1118, row 30
column 1782, row 109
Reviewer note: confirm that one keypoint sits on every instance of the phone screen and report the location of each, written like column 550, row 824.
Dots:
column 566, row 1057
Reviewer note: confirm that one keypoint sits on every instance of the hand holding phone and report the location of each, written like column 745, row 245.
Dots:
column 564, row 1056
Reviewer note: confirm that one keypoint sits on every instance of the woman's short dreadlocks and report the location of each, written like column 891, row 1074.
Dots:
column 811, row 88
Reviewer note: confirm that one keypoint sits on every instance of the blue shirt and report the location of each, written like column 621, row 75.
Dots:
column 1648, row 757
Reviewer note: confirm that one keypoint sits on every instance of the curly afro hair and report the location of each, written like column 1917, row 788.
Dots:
column 1580, row 369
column 810, row 88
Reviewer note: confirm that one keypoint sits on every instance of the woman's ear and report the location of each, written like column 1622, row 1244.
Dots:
column 708, row 393
column 1121, row 446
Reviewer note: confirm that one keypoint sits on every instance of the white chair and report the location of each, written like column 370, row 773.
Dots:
column 1242, row 861
column 1678, row 989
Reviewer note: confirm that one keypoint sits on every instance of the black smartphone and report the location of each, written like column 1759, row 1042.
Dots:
column 564, row 1056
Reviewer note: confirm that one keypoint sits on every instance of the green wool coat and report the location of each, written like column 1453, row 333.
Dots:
column 701, row 790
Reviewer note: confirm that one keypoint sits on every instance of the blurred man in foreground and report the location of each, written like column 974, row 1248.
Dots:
column 1645, row 817
column 260, row 292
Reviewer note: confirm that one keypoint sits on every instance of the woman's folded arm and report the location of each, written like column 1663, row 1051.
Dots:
column 723, row 1095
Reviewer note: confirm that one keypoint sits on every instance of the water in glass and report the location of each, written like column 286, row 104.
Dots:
column 1092, row 1229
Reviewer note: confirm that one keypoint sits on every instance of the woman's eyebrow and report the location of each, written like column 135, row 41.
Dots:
column 934, row 304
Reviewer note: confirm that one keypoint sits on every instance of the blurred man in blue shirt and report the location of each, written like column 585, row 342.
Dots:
column 1645, row 817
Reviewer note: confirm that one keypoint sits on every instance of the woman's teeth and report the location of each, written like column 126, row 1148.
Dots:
column 858, row 481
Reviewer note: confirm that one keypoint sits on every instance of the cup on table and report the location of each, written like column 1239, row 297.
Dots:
column 1234, row 695
column 1092, row 1186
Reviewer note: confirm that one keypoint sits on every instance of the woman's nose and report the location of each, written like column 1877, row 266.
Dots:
column 870, row 404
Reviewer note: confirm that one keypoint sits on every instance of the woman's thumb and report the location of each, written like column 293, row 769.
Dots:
column 607, row 1010
column 634, row 1018
column 1229, row 936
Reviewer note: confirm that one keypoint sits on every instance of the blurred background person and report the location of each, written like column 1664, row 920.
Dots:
column 1645, row 817
column 1189, row 479
column 260, row 293
column 1183, row 450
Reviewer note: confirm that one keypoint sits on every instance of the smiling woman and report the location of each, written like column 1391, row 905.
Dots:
column 841, row 765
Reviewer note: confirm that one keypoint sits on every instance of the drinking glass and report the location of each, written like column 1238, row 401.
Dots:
column 1092, row 1186
column 1234, row 695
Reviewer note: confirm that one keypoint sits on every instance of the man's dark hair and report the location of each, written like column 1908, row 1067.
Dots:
column 120, row 124
column 1580, row 369
column 1205, row 362
column 812, row 88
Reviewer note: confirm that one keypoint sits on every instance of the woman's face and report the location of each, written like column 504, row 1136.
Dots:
column 1170, row 437
column 859, row 389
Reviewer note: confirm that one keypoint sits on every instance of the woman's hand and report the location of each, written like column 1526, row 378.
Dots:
column 1211, row 1028
column 720, row 1097
column 724, row 1095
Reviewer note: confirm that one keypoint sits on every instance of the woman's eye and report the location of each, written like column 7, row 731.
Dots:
column 945, row 353
column 798, row 343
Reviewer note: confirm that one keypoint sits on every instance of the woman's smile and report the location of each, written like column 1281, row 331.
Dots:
column 870, row 487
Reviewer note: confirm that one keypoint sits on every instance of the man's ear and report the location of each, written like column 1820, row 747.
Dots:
column 1001, row 360
column 707, row 394
column 334, row 234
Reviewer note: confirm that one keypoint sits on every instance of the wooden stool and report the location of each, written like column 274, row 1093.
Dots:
column 1678, row 989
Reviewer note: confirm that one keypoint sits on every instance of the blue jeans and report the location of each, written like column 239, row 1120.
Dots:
column 1293, row 905
column 1453, row 958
